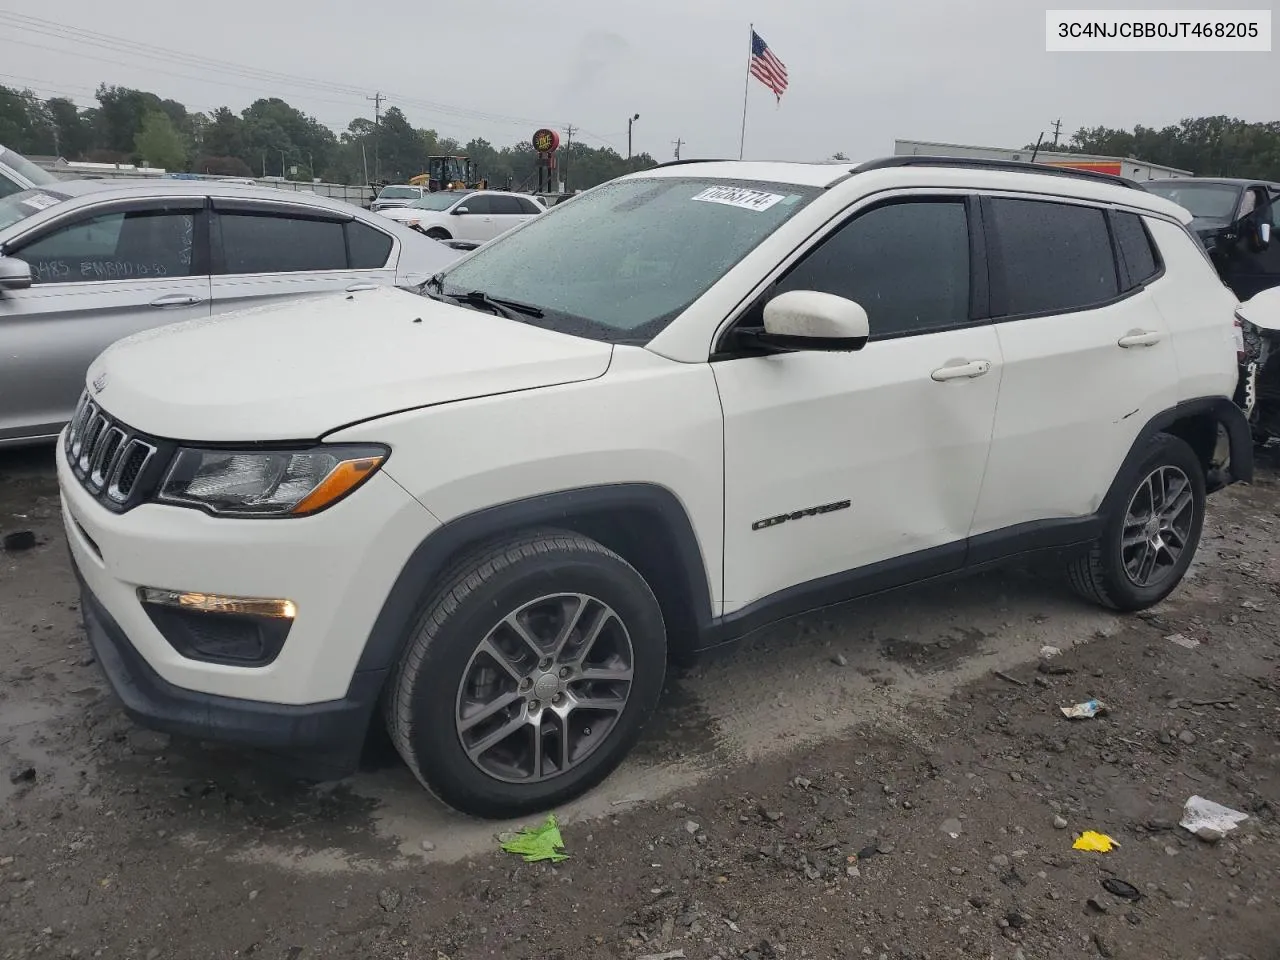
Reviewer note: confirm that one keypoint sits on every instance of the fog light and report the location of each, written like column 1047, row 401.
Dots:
column 237, row 631
column 212, row 603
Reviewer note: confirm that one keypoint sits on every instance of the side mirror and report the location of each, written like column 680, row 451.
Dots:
column 1264, row 236
column 15, row 274
column 459, row 211
column 809, row 320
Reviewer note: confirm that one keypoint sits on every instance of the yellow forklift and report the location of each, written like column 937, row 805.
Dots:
column 450, row 173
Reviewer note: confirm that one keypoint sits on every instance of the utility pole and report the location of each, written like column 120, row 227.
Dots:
column 630, row 121
column 568, row 142
column 376, row 99
column 678, row 142
column 1057, row 127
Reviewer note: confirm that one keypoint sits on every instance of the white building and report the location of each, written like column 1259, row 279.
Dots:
column 1117, row 166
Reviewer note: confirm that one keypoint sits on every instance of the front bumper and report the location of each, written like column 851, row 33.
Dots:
column 322, row 741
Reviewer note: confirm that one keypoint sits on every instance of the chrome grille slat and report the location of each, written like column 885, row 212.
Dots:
column 106, row 456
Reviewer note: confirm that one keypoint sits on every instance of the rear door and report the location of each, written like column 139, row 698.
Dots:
column 267, row 250
column 99, row 275
column 1087, row 355
column 510, row 211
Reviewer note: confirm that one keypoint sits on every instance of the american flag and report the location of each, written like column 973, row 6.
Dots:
column 767, row 68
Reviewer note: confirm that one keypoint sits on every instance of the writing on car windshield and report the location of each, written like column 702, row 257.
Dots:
column 624, row 259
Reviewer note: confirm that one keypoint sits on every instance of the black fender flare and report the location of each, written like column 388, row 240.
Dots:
column 1219, row 409
column 412, row 588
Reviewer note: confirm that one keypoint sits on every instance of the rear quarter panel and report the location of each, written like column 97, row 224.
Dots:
column 1200, row 313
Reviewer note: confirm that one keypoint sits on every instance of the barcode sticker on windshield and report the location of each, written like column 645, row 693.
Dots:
column 41, row 201
column 739, row 197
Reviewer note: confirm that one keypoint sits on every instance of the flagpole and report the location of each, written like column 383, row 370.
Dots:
column 746, row 88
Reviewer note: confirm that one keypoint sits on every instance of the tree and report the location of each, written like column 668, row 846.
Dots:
column 159, row 143
column 121, row 111
column 222, row 166
column 73, row 132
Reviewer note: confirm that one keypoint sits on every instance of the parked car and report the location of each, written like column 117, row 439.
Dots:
column 84, row 263
column 488, row 514
column 472, row 215
column 19, row 173
column 397, row 195
column 1237, row 220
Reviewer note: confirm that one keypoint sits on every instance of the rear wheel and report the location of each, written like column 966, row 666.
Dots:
column 1151, row 537
column 530, row 675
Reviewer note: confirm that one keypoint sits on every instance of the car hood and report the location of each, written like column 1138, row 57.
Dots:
column 295, row 371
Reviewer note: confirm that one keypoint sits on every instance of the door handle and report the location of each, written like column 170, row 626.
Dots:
column 177, row 300
column 357, row 287
column 1140, row 338
column 962, row 370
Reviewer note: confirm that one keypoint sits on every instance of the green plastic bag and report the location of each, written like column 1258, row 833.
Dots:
column 538, row 843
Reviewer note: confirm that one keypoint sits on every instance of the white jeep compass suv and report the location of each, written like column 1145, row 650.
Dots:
column 694, row 401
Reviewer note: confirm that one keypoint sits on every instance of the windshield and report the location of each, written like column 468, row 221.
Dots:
column 399, row 193
column 25, row 168
column 436, row 201
column 23, row 204
column 1205, row 201
column 624, row 259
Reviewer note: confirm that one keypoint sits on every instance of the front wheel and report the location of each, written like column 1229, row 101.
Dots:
column 529, row 676
column 1150, row 538
column 435, row 233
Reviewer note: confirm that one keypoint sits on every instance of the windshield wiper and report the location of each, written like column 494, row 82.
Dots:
column 500, row 305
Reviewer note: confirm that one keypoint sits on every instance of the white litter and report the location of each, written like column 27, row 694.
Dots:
column 1048, row 652
column 1209, row 820
column 1187, row 643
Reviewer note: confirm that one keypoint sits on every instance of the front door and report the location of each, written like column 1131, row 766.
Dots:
column 478, row 224
column 98, row 277
column 870, row 459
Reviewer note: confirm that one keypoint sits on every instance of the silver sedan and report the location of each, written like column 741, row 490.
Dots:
column 84, row 263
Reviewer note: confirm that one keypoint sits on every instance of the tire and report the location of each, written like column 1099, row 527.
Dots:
column 1110, row 574
column 464, row 660
column 435, row 233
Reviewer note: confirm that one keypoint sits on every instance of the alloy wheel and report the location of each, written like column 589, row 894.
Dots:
column 1157, row 526
column 544, row 688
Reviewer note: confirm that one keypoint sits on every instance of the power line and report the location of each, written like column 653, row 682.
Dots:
column 152, row 52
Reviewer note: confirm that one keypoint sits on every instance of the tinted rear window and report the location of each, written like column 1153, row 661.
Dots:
column 1055, row 257
column 369, row 248
column 269, row 243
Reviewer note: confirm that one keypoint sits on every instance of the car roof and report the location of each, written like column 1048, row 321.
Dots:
column 123, row 189
column 930, row 172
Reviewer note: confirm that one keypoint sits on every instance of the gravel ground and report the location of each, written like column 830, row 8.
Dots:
column 894, row 780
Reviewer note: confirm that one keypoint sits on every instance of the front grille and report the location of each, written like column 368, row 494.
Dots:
column 108, row 458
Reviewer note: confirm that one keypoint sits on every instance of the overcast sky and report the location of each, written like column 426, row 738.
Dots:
column 972, row 72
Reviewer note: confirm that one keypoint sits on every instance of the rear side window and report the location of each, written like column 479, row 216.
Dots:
column 1135, row 247
column 368, row 247
column 271, row 243
column 907, row 264
column 1054, row 257
column 528, row 206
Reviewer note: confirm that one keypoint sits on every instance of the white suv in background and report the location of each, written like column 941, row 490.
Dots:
column 488, row 514
column 476, row 216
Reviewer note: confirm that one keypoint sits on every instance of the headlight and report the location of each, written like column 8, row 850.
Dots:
column 268, row 483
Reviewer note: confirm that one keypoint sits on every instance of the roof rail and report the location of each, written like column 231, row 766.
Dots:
column 1012, row 166
column 677, row 163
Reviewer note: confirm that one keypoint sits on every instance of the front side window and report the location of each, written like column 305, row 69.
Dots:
column 628, row 256
column 275, row 243
column 124, row 245
column 1052, row 257
column 906, row 264
column 476, row 204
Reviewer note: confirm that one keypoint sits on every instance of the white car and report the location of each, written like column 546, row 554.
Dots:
column 18, row 173
column 396, row 195
column 477, row 216
column 487, row 515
